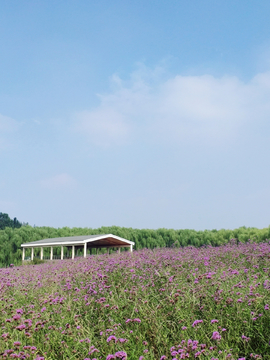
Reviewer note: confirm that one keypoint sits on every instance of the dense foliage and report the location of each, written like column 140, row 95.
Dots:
column 5, row 221
column 169, row 303
column 12, row 238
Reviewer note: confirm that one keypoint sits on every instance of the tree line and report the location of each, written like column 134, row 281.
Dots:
column 6, row 221
column 12, row 237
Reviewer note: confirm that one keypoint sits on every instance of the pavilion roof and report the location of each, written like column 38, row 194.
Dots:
column 99, row 240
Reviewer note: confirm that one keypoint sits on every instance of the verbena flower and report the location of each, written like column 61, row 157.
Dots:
column 196, row 322
column 216, row 335
column 112, row 337
column 121, row 355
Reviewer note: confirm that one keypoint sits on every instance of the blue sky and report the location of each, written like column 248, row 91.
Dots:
column 143, row 114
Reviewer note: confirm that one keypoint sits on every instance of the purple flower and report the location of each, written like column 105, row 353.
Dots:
column 110, row 357
column 92, row 350
column 189, row 343
column 20, row 327
column 112, row 337
column 163, row 357
column 121, row 340
column 214, row 321
column 121, row 355
column 196, row 322
column 216, row 335
column 245, row 338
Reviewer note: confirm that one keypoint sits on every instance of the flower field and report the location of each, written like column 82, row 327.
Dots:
column 196, row 303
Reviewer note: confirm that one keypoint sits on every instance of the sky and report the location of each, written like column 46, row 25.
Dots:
column 143, row 114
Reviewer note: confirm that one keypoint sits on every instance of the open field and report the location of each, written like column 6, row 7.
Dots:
column 206, row 303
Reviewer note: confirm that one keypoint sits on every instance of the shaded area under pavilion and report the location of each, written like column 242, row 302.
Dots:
column 75, row 243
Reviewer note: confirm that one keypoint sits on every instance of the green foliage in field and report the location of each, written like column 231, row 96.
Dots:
column 12, row 238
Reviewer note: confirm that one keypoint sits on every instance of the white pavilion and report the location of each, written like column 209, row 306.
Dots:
column 74, row 243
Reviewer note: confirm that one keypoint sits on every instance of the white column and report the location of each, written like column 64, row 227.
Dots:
column 51, row 257
column 118, row 250
column 131, row 248
column 23, row 254
column 62, row 252
column 85, row 250
column 41, row 253
column 73, row 252
column 32, row 254
column 108, row 251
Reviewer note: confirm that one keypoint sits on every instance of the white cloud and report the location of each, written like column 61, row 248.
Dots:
column 182, row 108
column 60, row 181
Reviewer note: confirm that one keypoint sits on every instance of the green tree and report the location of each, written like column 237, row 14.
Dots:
column 5, row 221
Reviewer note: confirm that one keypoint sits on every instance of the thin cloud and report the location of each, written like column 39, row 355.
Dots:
column 58, row 182
column 7, row 124
column 7, row 127
column 104, row 126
